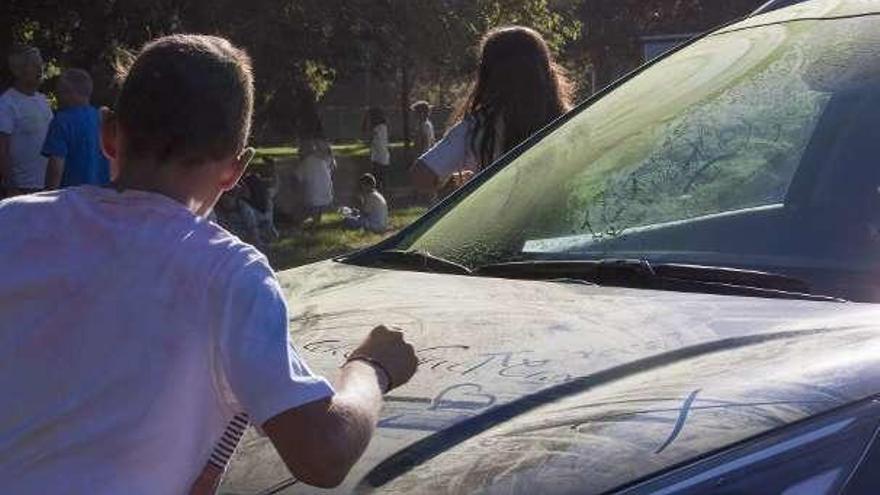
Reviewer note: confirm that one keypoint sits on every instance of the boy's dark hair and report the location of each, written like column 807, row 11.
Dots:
column 21, row 52
column 80, row 81
column 186, row 99
column 368, row 180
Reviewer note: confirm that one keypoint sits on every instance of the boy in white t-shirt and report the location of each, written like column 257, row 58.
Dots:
column 24, row 121
column 135, row 331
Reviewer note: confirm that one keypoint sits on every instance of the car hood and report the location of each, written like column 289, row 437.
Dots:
column 494, row 350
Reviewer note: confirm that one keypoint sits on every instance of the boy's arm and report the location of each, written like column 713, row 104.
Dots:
column 5, row 161
column 7, row 125
column 54, row 172
column 321, row 441
column 318, row 432
column 55, row 148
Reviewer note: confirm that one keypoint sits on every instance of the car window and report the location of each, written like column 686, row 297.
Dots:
column 866, row 477
column 700, row 159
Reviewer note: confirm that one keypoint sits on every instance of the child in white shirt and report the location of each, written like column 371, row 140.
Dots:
column 425, row 137
column 380, row 154
column 373, row 216
column 315, row 172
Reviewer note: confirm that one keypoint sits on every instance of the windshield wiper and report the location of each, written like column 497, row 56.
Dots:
column 418, row 260
column 639, row 273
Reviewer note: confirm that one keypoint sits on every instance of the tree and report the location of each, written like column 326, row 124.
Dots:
column 612, row 28
column 294, row 43
column 299, row 47
column 432, row 44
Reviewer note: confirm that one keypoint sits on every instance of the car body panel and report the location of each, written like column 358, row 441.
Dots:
column 775, row 5
column 488, row 344
column 812, row 9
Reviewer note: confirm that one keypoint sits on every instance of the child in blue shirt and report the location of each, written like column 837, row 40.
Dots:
column 72, row 143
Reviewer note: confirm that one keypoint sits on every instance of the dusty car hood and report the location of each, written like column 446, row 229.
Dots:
column 485, row 344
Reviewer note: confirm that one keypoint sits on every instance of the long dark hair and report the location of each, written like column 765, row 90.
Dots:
column 519, row 84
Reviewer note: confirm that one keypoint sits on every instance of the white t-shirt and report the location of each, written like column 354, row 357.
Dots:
column 375, row 212
column 379, row 151
column 426, row 138
column 455, row 152
column 25, row 118
column 316, row 174
column 132, row 333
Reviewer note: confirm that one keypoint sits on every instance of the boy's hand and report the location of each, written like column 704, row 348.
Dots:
column 387, row 350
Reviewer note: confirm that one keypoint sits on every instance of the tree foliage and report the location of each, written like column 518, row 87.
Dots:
column 301, row 48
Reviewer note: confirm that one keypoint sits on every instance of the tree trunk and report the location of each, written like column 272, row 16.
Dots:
column 405, row 81
column 6, row 41
column 405, row 90
column 308, row 121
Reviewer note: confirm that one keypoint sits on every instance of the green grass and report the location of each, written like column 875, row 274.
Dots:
column 299, row 247
column 350, row 150
column 277, row 152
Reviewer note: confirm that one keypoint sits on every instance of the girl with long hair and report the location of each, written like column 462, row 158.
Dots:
column 518, row 89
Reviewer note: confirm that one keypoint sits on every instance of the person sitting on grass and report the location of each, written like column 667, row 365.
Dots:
column 137, row 330
column 235, row 214
column 373, row 215
column 259, row 196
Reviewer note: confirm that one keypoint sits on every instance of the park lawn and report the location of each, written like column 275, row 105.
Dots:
column 349, row 150
column 276, row 152
column 300, row 247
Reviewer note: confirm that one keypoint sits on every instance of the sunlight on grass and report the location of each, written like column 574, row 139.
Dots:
column 277, row 152
column 350, row 150
column 299, row 247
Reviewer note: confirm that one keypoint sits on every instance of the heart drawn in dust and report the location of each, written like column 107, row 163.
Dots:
column 463, row 397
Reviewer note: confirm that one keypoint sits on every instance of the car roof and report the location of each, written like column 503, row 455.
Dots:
column 775, row 5
column 811, row 9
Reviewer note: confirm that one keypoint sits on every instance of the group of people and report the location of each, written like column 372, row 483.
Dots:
column 317, row 166
column 143, row 337
column 518, row 89
column 248, row 209
column 40, row 150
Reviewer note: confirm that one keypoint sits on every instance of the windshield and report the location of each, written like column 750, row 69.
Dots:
column 752, row 149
